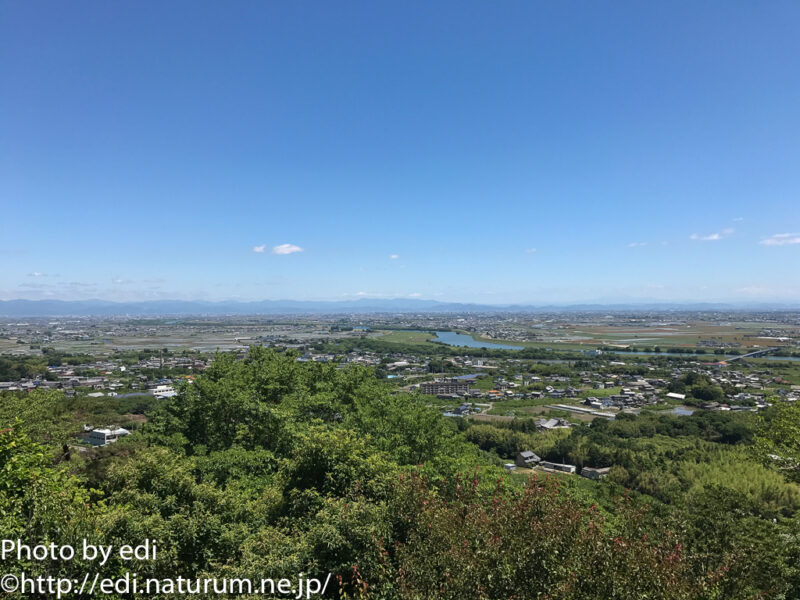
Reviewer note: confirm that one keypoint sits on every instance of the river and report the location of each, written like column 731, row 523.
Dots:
column 451, row 338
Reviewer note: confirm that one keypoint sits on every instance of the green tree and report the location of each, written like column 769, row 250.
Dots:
column 778, row 439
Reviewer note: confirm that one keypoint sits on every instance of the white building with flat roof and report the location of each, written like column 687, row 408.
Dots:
column 103, row 437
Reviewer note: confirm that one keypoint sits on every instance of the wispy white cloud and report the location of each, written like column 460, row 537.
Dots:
column 394, row 256
column 260, row 249
column 530, row 250
column 37, row 274
column 712, row 237
column 35, row 286
column 414, row 295
column 637, row 244
column 738, row 219
column 286, row 249
column 781, row 239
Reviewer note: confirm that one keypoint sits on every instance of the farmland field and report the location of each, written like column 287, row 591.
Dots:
column 678, row 335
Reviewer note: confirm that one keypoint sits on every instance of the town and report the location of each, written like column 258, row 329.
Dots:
column 567, row 369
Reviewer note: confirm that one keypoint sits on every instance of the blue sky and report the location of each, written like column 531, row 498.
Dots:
column 470, row 151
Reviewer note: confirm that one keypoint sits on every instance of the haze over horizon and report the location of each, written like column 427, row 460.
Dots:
column 539, row 154
column 359, row 306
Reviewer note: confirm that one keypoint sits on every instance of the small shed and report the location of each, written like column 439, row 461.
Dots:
column 526, row 458
column 593, row 473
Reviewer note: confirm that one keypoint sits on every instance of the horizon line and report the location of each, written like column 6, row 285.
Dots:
column 414, row 300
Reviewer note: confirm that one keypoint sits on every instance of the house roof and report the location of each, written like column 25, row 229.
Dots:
column 600, row 470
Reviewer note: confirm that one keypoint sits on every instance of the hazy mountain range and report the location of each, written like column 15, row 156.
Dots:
column 54, row 308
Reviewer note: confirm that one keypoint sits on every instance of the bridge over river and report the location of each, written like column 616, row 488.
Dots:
column 752, row 354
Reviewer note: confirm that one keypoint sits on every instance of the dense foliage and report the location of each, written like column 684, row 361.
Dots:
column 269, row 467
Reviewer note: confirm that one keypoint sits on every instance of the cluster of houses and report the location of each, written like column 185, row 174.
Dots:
column 634, row 394
column 65, row 382
column 464, row 410
column 108, row 378
column 749, row 386
column 397, row 364
column 630, row 392
column 101, row 386
column 529, row 460
column 169, row 362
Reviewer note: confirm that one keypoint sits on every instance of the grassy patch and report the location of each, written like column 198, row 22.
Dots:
column 407, row 337
column 600, row 393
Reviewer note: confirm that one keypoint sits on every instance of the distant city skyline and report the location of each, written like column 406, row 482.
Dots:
column 527, row 153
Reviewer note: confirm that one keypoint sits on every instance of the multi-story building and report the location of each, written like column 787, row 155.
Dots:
column 445, row 386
